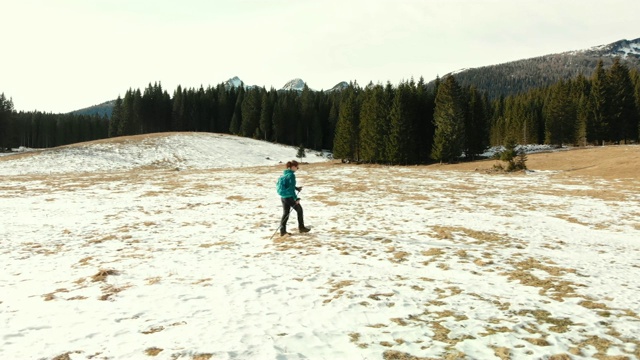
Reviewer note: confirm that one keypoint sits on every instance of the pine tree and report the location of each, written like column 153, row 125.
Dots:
column 475, row 126
column 582, row 117
column 424, row 128
column 345, row 143
column 266, row 113
column 136, row 120
column 177, row 111
column 236, row 119
column 116, row 118
column 6, row 110
column 278, row 122
column 373, row 116
column 307, row 111
column 125, row 125
column 598, row 120
column 251, row 109
column 449, row 118
column 301, row 153
column 400, row 145
column 635, row 78
column 624, row 115
column 561, row 116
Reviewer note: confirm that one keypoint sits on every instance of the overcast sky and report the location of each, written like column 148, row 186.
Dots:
column 63, row 55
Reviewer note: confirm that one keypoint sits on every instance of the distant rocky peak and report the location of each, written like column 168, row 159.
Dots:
column 295, row 84
column 234, row 82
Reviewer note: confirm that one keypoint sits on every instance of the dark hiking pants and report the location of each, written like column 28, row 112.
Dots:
column 287, row 205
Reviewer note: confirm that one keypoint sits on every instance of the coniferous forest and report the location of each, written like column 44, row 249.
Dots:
column 408, row 123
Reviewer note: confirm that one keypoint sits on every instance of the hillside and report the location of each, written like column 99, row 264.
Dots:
column 104, row 109
column 526, row 74
column 159, row 151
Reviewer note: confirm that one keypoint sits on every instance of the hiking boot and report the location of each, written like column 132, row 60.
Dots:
column 304, row 229
column 285, row 234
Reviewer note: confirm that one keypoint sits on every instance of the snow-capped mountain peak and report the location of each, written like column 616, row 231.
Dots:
column 295, row 84
column 339, row 86
column 234, row 82
column 622, row 48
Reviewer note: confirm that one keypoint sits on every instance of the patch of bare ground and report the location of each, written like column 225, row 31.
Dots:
column 398, row 355
column 477, row 237
column 337, row 289
column 102, row 274
column 153, row 351
column 66, row 356
column 201, row 356
column 52, row 295
column 553, row 286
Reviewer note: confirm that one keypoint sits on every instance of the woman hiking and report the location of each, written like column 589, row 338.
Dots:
column 287, row 188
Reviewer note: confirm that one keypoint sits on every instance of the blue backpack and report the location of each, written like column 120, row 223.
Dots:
column 282, row 184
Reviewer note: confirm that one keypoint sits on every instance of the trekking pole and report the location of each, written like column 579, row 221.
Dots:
column 285, row 219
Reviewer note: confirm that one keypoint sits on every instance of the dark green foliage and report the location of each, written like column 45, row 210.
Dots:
column 449, row 118
column 266, row 114
column 624, row 115
column 346, row 144
column 515, row 159
column 6, row 111
column 251, row 109
column 301, row 153
column 475, row 128
column 374, row 115
column 401, row 141
column 116, row 118
column 598, row 106
column 424, row 127
column 561, row 116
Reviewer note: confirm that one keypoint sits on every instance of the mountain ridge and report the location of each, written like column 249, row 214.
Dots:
column 518, row 76
column 501, row 79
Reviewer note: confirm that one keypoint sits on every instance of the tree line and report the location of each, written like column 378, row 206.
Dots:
column 602, row 109
column 36, row 129
column 410, row 123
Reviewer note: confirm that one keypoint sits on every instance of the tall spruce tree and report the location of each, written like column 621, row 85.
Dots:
column 599, row 114
column 251, row 109
column 424, row 128
column 561, row 115
column 582, row 117
column 373, row 116
column 345, row 142
column 266, row 113
column 448, row 117
column 475, row 125
column 400, row 146
column 236, row 118
column 624, row 115
column 635, row 78
column 116, row 117
column 6, row 110
column 278, row 122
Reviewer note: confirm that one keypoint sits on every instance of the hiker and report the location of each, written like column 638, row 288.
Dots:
column 287, row 188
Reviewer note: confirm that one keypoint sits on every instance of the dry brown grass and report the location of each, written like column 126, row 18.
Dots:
column 102, row 274
column 609, row 162
column 202, row 357
column 153, row 351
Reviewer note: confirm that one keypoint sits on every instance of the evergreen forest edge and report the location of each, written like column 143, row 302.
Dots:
column 411, row 123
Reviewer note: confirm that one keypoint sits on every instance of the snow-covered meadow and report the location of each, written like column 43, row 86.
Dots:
column 160, row 248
